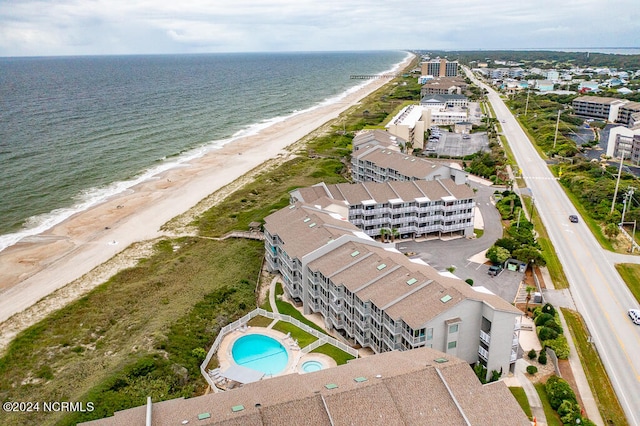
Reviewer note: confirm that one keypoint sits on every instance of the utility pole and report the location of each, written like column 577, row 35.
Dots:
column 526, row 107
column 555, row 138
column 615, row 194
column 627, row 196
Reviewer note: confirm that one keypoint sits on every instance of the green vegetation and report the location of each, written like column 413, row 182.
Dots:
column 630, row 273
column 521, row 397
column 532, row 369
column 603, row 392
column 552, row 417
column 519, row 241
column 562, row 399
column 303, row 338
column 550, row 331
column 340, row 356
column 141, row 333
column 287, row 309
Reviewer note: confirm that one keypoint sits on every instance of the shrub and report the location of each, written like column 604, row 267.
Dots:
column 542, row 358
column 469, row 281
column 532, row 354
column 559, row 346
column 569, row 411
column 553, row 324
column 542, row 318
column 532, row 369
column 549, row 309
column 558, row 390
column 546, row 333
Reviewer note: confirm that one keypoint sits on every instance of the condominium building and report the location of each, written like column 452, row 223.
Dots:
column 418, row 387
column 624, row 141
column 444, row 101
column 444, row 86
column 408, row 125
column 374, row 163
column 378, row 298
column 411, row 209
column 365, row 139
column 598, row 107
column 440, row 68
column 626, row 112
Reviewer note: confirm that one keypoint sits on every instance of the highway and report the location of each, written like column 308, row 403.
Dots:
column 601, row 296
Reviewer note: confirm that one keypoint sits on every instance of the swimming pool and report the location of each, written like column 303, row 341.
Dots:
column 260, row 352
column 311, row 366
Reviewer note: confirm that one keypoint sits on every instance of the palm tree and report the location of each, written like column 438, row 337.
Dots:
column 529, row 289
column 384, row 234
column 394, row 234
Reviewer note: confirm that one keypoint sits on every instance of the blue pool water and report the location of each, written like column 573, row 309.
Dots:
column 261, row 353
column 311, row 366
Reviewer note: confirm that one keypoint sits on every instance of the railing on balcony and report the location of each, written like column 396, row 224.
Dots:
column 484, row 354
column 485, row 337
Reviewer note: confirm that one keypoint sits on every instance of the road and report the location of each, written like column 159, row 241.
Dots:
column 601, row 296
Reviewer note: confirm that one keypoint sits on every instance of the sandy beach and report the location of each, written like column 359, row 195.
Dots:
column 39, row 265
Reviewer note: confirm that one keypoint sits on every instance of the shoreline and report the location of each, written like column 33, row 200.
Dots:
column 39, row 265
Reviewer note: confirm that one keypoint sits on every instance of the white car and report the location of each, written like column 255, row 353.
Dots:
column 634, row 314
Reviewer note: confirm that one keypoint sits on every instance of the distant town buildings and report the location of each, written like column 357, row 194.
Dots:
column 440, row 68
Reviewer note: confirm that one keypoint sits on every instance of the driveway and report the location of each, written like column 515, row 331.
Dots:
column 466, row 254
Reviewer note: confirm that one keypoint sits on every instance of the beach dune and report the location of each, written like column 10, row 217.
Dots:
column 37, row 266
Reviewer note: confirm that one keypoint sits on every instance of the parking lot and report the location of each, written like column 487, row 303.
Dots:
column 466, row 255
column 456, row 144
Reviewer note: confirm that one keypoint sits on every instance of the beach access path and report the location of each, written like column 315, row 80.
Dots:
column 39, row 265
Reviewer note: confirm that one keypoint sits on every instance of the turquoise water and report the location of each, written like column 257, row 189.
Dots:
column 261, row 353
column 311, row 366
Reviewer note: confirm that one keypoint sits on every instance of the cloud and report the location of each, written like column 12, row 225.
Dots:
column 41, row 27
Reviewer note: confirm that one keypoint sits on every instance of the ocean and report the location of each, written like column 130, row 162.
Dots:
column 76, row 130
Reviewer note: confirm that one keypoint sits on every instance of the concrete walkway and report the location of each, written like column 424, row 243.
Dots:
column 272, row 300
column 590, row 406
column 530, row 390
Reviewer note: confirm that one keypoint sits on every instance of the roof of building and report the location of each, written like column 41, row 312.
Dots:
column 407, row 165
column 599, row 100
column 445, row 82
column 420, row 386
column 376, row 137
column 404, row 289
column 442, row 98
column 382, row 192
column 304, row 228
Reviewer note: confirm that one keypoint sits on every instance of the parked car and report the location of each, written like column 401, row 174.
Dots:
column 573, row 218
column 634, row 314
column 495, row 270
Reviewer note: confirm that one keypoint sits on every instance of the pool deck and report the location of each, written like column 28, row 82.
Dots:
column 295, row 355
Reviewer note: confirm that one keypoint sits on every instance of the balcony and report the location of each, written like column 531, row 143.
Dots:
column 485, row 337
column 484, row 354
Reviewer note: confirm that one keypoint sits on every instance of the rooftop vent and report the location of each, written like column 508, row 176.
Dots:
column 204, row 416
column 237, row 408
column 355, row 253
column 412, row 281
column 445, row 298
column 311, row 225
column 381, row 266
column 331, row 386
column 360, row 379
column 306, row 219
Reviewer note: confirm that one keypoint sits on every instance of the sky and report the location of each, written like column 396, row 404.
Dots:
column 105, row 27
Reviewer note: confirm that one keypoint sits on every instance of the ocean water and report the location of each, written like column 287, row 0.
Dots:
column 76, row 130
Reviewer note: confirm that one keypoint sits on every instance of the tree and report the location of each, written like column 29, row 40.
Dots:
column 532, row 354
column 529, row 290
column 394, row 234
column 611, row 231
column 529, row 253
column 498, row 255
column 384, row 234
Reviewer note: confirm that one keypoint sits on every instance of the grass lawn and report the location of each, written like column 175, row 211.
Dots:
column 303, row 338
column 552, row 417
column 603, row 392
column 286, row 308
column 259, row 321
column 630, row 273
column 521, row 397
column 340, row 356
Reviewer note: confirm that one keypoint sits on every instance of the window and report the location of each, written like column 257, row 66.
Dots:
column 452, row 345
column 429, row 333
column 453, row 328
